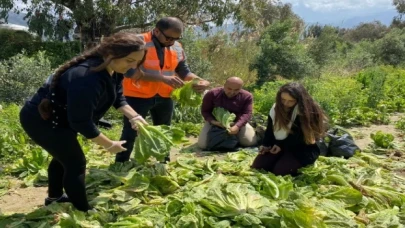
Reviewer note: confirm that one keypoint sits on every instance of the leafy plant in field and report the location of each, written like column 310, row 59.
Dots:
column 187, row 114
column 265, row 96
column 13, row 140
column 337, row 96
column 4, row 186
column 191, row 129
column 383, row 140
column 195, row 192
column 394, row 89
column 373, row 80
column 400, row 124
column 32, row 167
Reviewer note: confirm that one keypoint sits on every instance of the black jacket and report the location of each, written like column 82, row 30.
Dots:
column 82, row 97
column 295, row 143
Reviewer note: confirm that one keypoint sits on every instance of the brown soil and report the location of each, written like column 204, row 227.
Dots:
column 362, row 134
column 22, row 200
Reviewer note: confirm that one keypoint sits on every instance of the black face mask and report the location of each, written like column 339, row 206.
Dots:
column 130, row 72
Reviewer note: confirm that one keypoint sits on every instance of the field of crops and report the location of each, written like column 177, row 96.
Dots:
column 209, row 190
column 199, row 189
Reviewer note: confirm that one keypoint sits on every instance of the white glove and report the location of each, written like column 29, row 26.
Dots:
column 135, row 119
column 116, row 147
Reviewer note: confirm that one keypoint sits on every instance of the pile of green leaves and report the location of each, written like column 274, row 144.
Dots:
column 191, row 129
column 156, row 141
column 381, row 139
column 186, row 96
column 224, row 117
column 363, row 191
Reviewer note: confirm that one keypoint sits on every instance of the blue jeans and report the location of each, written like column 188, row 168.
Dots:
column 161, row 111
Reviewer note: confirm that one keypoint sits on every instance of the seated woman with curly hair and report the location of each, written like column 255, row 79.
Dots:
column 295, row 122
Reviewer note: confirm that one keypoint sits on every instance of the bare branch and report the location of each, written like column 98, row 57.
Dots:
column 122, row 27
column 137, row 1
column 201, row 21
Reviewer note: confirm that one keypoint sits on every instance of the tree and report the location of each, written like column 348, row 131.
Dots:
column 324, row 46
column 369, row 31
column 282, row 54
column 398, row 22
column 97, row 18
column 400, row 6
column 257, row 15
column 314, row 31
column 391, row 48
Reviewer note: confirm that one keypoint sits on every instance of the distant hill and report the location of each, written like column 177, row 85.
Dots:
column 384, row 17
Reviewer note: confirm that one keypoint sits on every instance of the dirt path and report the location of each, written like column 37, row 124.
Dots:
column 23, row 200
column 362, row 134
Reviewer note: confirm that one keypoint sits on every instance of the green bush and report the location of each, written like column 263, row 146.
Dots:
column 21, row 76
column 394, row 89
column 391, row 48
column 16, row 42
column 265, row 96
column 282, row 54
column 373, row 80
column 13, row 42
column 385, row 86
column 60, row 52
column 12, row 137
column 194, row 49
column 338, row 96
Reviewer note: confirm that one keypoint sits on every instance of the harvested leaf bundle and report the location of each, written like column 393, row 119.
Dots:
column 186, row 96
column 155, row 141
column 224, row 117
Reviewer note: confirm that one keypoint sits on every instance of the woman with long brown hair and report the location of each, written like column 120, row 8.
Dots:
column 295, row 122
column 76, row 96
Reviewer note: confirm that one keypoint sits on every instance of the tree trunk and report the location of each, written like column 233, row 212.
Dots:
column 91, row 31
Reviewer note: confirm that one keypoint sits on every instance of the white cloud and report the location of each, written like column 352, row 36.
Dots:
column 332, row 5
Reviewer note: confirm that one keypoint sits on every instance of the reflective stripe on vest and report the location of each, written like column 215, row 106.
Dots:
column 147, row 89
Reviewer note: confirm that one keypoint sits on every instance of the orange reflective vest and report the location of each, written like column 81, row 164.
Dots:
column 148, row 89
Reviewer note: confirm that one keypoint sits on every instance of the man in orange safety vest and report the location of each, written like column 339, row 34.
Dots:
column 163, row 70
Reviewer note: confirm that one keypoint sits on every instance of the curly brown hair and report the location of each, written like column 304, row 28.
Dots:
column 116, row 46
column 312, row 117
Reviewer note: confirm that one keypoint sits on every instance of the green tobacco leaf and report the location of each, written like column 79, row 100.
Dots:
column 186, row 96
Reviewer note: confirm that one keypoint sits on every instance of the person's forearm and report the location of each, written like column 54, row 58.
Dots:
column 208, row 116
column 243, row 120
column 128, row 111
column 152, row 77
column 191, row 76
column 102, row 140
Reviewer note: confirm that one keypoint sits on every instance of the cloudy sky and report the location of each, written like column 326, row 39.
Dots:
column 345, row 13
column 333, row 5
column 342, row 13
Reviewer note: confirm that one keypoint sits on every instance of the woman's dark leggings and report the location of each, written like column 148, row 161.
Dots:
column 68, row 166
column 283, row 163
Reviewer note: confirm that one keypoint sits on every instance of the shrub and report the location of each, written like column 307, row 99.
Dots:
column 21, row 76
column 16, row 42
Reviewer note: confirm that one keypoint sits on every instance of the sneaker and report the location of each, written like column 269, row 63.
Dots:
column 63, row 199
column 167, row 159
